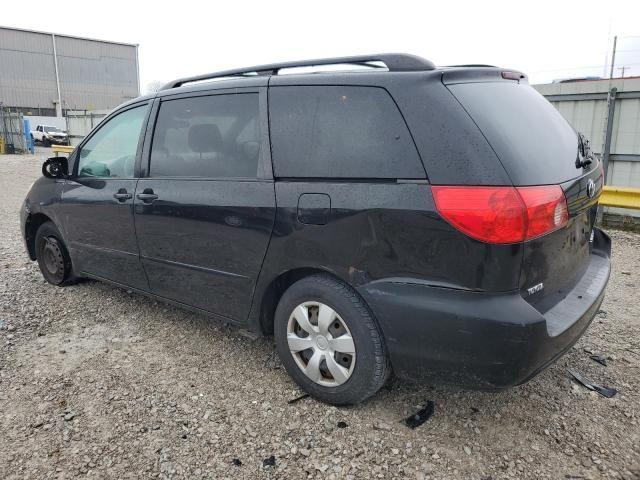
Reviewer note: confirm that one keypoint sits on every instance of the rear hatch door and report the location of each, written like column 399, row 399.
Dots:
column 537, row 146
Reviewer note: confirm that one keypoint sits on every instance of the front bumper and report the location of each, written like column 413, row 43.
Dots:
column 25, row 212
column 478, row 339
column 58, row 140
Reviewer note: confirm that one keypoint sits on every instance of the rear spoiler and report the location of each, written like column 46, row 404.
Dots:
column 472, row 74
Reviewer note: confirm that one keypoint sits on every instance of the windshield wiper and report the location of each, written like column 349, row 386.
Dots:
column 584, row 156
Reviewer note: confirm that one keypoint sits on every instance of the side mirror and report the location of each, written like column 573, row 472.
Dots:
column 55, row 167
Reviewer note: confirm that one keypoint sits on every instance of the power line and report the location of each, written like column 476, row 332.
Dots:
column 627, row 64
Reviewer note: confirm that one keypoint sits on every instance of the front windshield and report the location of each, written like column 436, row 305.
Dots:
column 52, row 129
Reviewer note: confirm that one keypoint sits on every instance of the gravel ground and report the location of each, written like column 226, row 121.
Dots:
column 99, row 382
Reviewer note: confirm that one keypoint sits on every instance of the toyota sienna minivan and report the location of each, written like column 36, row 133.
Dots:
column 385, row 216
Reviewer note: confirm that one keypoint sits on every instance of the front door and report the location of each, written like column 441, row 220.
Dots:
column 204, row 213
column 97, row 202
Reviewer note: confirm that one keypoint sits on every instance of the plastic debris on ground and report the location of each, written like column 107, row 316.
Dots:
column 601, row 389
column 421, row 416
column 297, row 399
column 600, row 359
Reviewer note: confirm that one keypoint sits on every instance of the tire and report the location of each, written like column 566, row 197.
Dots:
column 358, row 375
column 52, row 255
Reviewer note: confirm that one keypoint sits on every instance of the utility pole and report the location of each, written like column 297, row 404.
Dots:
column 622, row 69
column 606, row 52
column 608, row 122
column 55, row 66
column 613, row 56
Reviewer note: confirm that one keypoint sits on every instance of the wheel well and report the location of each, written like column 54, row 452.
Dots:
column 276, row 289
column 33, row 223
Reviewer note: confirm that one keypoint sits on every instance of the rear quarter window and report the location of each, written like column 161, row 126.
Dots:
column 340, row 132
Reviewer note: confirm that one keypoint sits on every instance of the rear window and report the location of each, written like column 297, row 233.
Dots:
column 534, row 142
column 340, row 132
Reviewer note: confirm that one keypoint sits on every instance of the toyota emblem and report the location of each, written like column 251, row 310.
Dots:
column 591, row 188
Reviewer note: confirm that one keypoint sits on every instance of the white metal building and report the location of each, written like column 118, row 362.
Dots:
column 585, row 106
column 48, row 73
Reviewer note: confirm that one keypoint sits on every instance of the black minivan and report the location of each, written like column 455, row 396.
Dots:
column 384, row 215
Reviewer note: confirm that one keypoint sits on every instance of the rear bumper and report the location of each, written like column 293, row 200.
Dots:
column 483, row 340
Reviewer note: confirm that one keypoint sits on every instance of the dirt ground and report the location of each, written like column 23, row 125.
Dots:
column 98, row 382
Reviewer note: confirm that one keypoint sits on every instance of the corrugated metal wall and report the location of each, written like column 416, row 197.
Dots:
column 93, row 74
column 35, row 120
column 584, row 105
column 79, row 124
column 27, row 73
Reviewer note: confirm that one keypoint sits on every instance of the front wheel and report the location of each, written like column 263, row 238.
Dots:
column 52, row 255
column 329, row 342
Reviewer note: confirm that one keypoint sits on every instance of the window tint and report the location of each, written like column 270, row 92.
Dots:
column 214, row 136
column 335, row 131
column 536, row 145
column 111, row 151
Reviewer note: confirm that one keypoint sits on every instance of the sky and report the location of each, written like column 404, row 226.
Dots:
column 546, row 39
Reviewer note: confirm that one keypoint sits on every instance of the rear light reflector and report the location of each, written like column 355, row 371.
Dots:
column 502, row 214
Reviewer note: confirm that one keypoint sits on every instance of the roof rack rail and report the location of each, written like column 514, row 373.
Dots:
column 395, row 62
column 473, row 65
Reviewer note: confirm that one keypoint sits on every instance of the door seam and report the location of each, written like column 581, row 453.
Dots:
column 135, row 234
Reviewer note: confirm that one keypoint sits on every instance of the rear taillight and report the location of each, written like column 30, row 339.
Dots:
column 546, row 209
column 502, row 214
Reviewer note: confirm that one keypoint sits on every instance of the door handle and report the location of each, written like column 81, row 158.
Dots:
column 147, row 195
column 122, row 195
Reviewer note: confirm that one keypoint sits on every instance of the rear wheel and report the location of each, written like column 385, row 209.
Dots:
column 52, row 255
column 328, row 341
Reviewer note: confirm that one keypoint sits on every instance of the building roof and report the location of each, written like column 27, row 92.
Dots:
column 68, row 36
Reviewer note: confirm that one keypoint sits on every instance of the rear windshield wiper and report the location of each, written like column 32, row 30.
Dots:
column 584, row 156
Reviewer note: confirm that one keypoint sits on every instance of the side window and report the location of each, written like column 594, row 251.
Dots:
column 340, row 131
column 111, row 151
column 208, row 137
